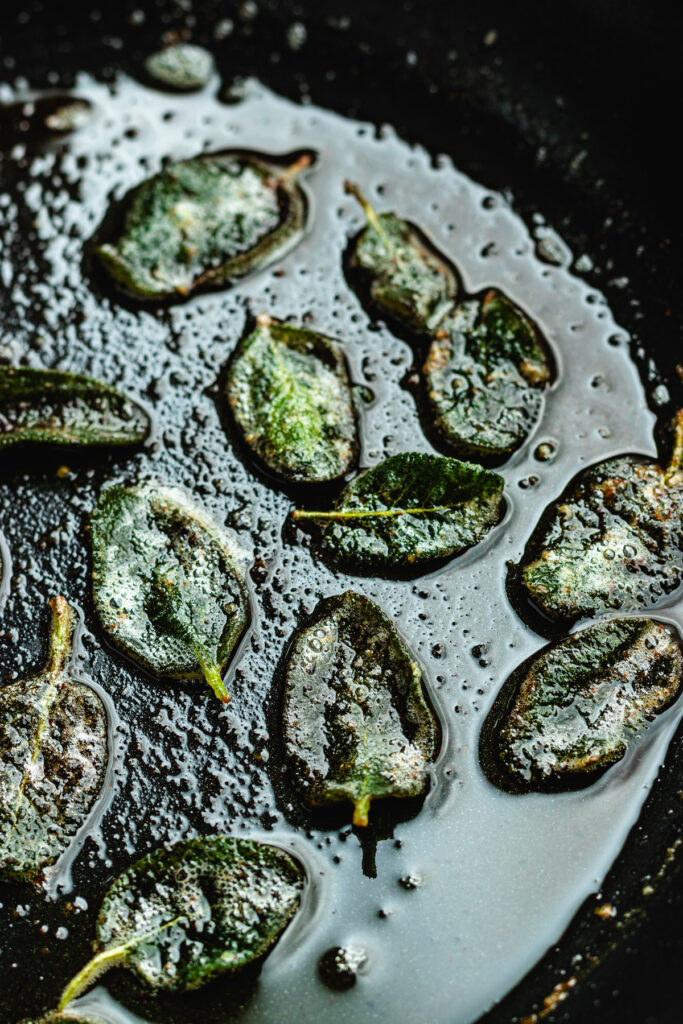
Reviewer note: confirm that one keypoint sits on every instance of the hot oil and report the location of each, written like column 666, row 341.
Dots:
column 469, row 893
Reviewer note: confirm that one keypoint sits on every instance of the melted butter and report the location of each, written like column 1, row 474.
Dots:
column 501, row 875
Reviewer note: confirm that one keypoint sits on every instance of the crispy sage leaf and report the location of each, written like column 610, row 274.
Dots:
column 290, row 397
column 613, row 540
column 206, row 222
column 168, row 583
column 183, row 915
column 356, row 723
column 53, row 757
column 408, row 280
column 483, row 374
column 53, row 407
column 409, row 511
column 576, row 707
column 182, row 67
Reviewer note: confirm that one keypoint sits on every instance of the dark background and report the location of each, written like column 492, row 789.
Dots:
column 572, row 110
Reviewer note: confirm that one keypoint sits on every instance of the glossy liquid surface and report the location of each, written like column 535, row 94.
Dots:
column 470, row 892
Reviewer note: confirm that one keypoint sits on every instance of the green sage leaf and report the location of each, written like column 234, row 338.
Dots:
column 168, row 583
column 206, row 222
column 290, row 396
column 182, row 67
column 576, row 708
column 183, row 915
column 409, row 511
column 53, row 757
column 407, row 279
column 53, row 407
column 484, row 375
column 613, row 540
column 357, row 726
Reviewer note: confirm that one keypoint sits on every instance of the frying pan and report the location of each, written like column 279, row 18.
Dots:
column 567, row 109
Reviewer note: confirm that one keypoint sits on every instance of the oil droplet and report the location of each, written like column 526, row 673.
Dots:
column 410, row 881
column 545, row 451
column 527, row 482
column 340, row 965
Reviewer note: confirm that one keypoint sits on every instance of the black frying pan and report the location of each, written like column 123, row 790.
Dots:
column 572, row 109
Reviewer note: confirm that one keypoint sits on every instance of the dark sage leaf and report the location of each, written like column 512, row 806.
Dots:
column 52, row 407
column 407, row 512
column 206, row 222
column 168, row 582
column 290, row 397
column 356, row 723
column 408, row 280
column 483, row 374
column 183, row 915
column 53, row 757
column 576, row 708
column 613, row 540
column 181, row 67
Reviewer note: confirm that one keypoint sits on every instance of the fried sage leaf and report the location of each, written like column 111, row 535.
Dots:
column 483, row 375
column 407, row 512
column 53, row 757
column 613, row 541
column 182, row 67
column 290, row 396
column 183, row 915
column 407, row 279
column 168, row 582
column 356, row 723
column 574, row 710
column 53, row 407
column 206, row 222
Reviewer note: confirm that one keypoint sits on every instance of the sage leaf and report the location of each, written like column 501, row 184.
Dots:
column 613, row 541
column 168, row 582
column 53, row 407
column 206, row 222
column 290, row 397
column 357, row 725
column 407, row 280
column 182, row 67
column 574, row 710
column 484, row 375
column 411, row 510
column 182, row 915
column 53, row 758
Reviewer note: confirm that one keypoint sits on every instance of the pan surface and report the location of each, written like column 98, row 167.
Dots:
column 515, row 116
